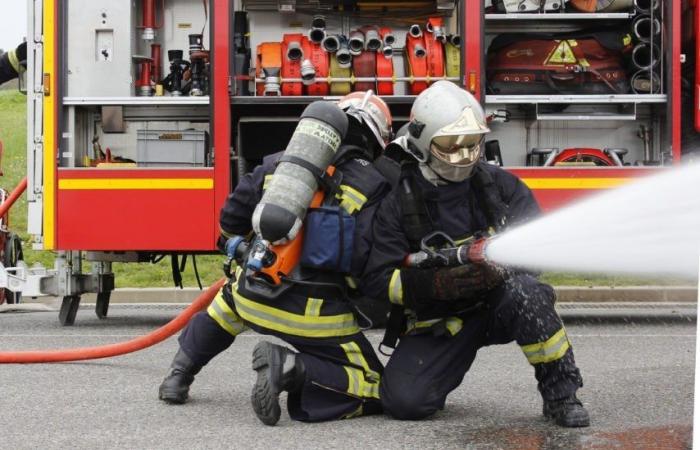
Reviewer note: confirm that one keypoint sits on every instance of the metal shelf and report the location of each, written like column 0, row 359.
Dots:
column 558, row 16
column 576, row 99
column 135, row 101
column 303, row 100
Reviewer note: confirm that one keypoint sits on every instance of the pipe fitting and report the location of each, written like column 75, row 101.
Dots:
column 645, row 82
column 356, row 43
column 317, row 35
column 273, row 87
column 388, row 52
column 373, row 42
column 308, row 72
column 331, row 43
column 318, row 21
column 646, row 56
column 455, row 40
column 343, row 55
column 419, row 51
column 436, row 28
column 389, row 39
column 646, row 6
column 645, row 29
column 415, row 31
column 294, row 51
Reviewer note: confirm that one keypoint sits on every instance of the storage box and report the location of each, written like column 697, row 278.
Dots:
column 168, row 148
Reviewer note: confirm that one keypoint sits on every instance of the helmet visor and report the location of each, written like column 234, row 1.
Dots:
column 458, row 151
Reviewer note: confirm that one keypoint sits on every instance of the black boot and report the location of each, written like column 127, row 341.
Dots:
column 175, row 387
column 567, row 412
column 279, row 369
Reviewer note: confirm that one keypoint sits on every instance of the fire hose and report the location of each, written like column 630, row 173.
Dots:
column 123, row 348
column 107, row 351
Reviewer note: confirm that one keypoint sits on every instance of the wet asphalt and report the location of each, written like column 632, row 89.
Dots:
column 638, row 377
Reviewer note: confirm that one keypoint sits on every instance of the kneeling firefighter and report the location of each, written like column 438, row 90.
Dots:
column 445, row 312
column 336, row 373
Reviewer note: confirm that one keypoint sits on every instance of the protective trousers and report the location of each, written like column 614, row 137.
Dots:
column 342, row 374
column 427, row 366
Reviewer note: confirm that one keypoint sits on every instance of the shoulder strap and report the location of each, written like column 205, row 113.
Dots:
column 490, row 198
column 417, row 222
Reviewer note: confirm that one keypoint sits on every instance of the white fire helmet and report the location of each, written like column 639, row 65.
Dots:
column 446, row 131
column 370, row 110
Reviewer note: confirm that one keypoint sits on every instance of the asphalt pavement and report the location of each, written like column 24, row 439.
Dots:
column 638, row 376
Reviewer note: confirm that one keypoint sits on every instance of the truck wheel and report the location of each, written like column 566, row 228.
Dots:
column 13, row 254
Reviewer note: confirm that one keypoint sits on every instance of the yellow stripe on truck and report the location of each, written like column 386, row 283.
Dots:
column 50, row 119
column 574, row 183
column 105, row 184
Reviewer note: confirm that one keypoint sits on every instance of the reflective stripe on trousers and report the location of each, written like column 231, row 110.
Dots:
column 550, row 350
column 225, row 316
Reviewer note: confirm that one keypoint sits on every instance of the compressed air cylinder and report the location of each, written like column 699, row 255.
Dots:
column 279, row 215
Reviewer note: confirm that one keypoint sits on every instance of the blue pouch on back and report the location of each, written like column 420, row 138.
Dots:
column 328, row 239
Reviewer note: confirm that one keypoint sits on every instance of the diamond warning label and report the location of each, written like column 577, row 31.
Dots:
column 563, row 54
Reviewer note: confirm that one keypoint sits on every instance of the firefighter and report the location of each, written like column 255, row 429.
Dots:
column 336, row 372
column 13, row 63
column 443, row 316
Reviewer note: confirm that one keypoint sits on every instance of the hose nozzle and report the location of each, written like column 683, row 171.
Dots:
column 477, row 251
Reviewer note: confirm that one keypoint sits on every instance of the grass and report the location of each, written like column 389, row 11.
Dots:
column 13, row 134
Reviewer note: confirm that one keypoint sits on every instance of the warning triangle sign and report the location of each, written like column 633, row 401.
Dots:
column 563, row 54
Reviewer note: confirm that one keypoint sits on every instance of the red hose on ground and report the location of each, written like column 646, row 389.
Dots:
column 108, row 351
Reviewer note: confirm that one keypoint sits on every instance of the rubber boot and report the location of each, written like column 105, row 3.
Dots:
column 567, row 412
column 175, row 388
column 279, row 370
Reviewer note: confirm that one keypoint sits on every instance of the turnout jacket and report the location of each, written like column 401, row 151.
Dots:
column 298, row 311
column 456, row 209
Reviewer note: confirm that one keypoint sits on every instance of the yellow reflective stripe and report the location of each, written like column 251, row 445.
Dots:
column 358, row 386
column 396, row 288
column 49, row 124
column 313, row 307
column 574, row 183
column 225, row 316
column 426, row 323
column 225, row 234
column 266, row 183
column 351, row 282
column 358, row 412
column 351, row 199
column 294, row 324
column 549, row 350
column 356, row 357
column 107, row 184
column 454, row 325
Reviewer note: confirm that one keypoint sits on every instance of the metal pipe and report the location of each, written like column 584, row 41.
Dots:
column 373, row 42
column 308, row 72
column 645, row 55
column 356, row 43
column 415, row 31
column 343, row 55
column 645, row 28
column 645, row 82
column 331, row 43
column 645, row 6
column 149, row 20
column 294, row 51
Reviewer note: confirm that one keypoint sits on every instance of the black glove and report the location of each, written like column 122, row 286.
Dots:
column 449, row 284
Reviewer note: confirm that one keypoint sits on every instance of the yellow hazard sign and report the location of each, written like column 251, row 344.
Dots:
column 563, row 54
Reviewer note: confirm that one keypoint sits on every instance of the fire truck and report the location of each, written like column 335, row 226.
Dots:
column 143, row 114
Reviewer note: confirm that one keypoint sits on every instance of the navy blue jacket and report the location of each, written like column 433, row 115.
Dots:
column 454, row 209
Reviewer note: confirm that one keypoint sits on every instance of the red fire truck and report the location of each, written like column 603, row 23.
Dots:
column 143, row 114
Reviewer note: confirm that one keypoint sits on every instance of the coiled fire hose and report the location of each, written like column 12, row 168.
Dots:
column 122, row 348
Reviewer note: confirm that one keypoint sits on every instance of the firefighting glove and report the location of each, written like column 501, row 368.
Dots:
column 450, row 284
